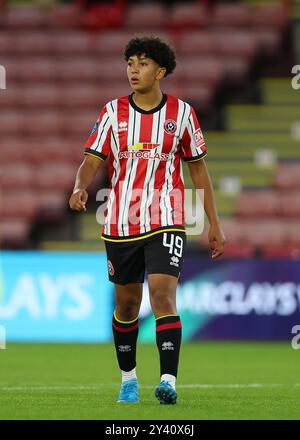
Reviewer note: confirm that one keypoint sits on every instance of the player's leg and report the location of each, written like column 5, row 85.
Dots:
column 164, row 259
column 162, row 289
column 126, row 326
column 126, row 271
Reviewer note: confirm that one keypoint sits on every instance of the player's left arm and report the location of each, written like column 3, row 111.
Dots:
column 201, row 179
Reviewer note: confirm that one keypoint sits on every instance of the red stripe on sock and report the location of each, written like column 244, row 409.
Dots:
column 127, row 329
column 161, row 327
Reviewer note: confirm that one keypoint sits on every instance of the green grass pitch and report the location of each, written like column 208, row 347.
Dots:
column 217, row 380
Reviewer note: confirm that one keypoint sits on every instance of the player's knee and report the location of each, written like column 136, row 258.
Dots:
column 163, row 302
column 127, row 310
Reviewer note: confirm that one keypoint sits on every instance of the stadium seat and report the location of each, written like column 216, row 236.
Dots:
column 146, row 16
column 25, row 17
column 235, row 43
column 40, row 97
column 195, row 43
column 52, row 205
column 56, row 176
column 43, row 123
column 259, row 232
column 6, row 43
column 289, row 204
column 292, row 231
column 239, row 250
column 76, row 43
column 111, row 43
column 274, row 16
column 207, row 70
column 19, row 203
column 258, row 203
column 14, row 233
column 64, row 15
column 188, row 16
column 288, row 176
column 13, row 150
column 32, row 43
column 231, row 15
column 284, row 250
column 17, row 175
column 34, row 69
column 200, row 96
column 268, row 41
column 11, row 121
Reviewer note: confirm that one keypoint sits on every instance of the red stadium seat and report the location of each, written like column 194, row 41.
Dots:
column 232, row 15
column 75, row 43
column 32, row 43
column 188, row 16
column 11, row 121
column 284, row 250
column 200, row 96
column 288, row 176
column 258, row 203
column 19, row 204
column 14, row 233
column 268, row 41
column 290, row 204
column 196, row 43
column 235, row 43
column 112, row 43
column 238, row 250
column 269, row 16
column 64, row 15
column 25, row 17
column 207, row 70
column 52, row 205
column 43, row 123
column 17, row 175
column 6, row 43
column 35, row 69
column 145, row 16
column 292, row 231
column 261, row 231
column 56, row 176
column 41, row 96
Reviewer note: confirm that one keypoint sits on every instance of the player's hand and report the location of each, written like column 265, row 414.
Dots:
column 216, row 241
column 78, row 200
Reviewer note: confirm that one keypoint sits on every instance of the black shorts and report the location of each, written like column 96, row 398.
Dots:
column 161, row 253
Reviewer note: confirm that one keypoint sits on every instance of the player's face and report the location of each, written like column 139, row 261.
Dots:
column 143, row 73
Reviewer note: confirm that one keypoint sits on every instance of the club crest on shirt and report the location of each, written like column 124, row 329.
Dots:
column 111, row 269
column 170, row 126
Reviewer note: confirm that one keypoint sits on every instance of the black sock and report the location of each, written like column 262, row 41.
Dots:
column 125, row 337
column 168, row 340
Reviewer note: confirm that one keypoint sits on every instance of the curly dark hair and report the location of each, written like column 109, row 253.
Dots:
column 154, row 48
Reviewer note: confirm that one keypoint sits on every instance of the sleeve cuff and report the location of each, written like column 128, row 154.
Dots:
column 195, row 158
column 95, row 153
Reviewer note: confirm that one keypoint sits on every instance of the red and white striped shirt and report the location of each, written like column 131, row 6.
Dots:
column 145, row 149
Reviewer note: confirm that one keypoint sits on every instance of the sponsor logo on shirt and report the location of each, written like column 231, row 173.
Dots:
column 123, row 126
column 174, row 261
column 198, row 138
column 124, row 348
column 95, row 128
column 143, row 150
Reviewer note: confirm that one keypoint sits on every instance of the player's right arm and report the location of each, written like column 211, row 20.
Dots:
column 85, row 174
column 97, row 148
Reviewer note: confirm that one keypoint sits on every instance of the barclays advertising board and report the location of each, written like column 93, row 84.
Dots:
column 51, row 296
